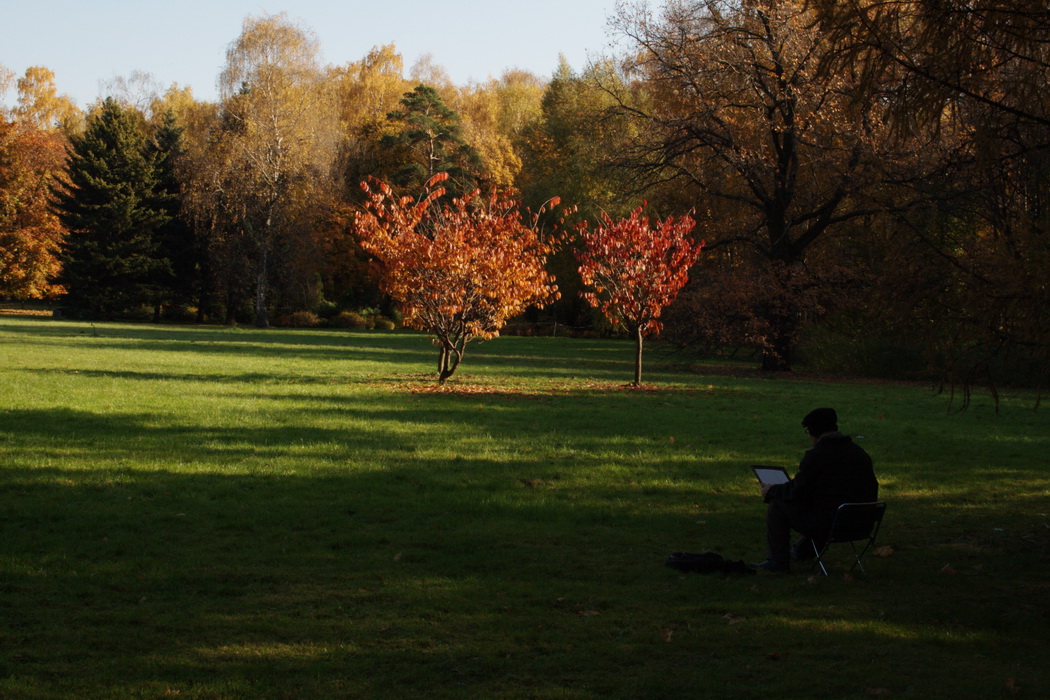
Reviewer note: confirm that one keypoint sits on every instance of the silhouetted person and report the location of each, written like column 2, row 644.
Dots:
column 835, row 471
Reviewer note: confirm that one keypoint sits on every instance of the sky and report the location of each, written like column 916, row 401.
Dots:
column 88, row 43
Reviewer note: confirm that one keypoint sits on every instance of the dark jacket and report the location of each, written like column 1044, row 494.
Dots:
column 836, row 471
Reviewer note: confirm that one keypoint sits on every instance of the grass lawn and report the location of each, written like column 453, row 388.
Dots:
column 229, row 513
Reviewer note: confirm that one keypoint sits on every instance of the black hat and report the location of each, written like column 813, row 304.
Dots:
column 820, row 421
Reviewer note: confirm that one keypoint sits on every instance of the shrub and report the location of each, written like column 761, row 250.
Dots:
column 141, row 312
column 327, row 309
column 180, row 313
column 349, row 319
column 384, row 324
column 299, row 319
column 874, row 355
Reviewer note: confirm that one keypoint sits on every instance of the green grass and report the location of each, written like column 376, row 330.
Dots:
column 227, row 513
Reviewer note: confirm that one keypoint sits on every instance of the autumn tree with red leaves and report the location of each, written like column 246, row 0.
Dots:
column 632, row 269
column 457, row 270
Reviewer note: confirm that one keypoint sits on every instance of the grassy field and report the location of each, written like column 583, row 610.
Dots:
column 229, row 513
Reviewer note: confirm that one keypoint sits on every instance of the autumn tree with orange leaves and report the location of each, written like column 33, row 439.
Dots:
column 31, row 160
column 33, row 142
column 632, row 269
column 457, row 270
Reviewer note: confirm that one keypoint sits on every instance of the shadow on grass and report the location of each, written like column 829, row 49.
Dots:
column 390, row 582
column 149, row 580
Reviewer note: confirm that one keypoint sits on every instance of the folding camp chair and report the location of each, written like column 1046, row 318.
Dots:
column 854, row 522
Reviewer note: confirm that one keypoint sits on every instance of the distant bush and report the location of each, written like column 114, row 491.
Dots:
column 349, row 319
column 299, row 319
column 138, row 313
column 180, row 313
column 864, row 355
column 327, row 309
column 384, row 324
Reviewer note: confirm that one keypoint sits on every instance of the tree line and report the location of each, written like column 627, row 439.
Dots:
column 869, row 178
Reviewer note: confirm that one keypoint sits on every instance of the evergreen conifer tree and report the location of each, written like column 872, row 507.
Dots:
column 112, row 209
column 431, row 142
column 176, row 240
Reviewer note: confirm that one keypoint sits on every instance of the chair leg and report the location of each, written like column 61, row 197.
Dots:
column 856, row 559
column 857, row 563
column 859, row 555
column 819, row 555
column 852, row 517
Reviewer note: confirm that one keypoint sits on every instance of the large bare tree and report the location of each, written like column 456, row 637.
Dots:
column 979, row 71
column 778, row 156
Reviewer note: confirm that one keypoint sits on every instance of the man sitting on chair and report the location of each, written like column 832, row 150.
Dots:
column 835, row 471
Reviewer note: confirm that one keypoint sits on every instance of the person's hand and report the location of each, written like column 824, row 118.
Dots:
column 765, row 489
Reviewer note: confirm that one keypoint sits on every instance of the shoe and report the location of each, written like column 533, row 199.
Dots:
column 803, row 550
column 773, row 566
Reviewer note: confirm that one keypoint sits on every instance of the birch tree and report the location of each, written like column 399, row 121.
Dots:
column 279, row 141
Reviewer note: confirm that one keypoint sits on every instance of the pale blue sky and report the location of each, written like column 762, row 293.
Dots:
column 89, row 42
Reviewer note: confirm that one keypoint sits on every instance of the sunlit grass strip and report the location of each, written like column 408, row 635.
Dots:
column 877, row 629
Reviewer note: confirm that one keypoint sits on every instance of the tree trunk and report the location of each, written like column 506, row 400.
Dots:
column 448, row 360
column 205, row 287
column 773, row 361
column 638, row 357
column 777, row 357
column 231, row 305
column 261, row 321
column 443, row 363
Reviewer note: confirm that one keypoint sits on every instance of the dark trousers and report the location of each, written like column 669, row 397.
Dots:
column 784, row 516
